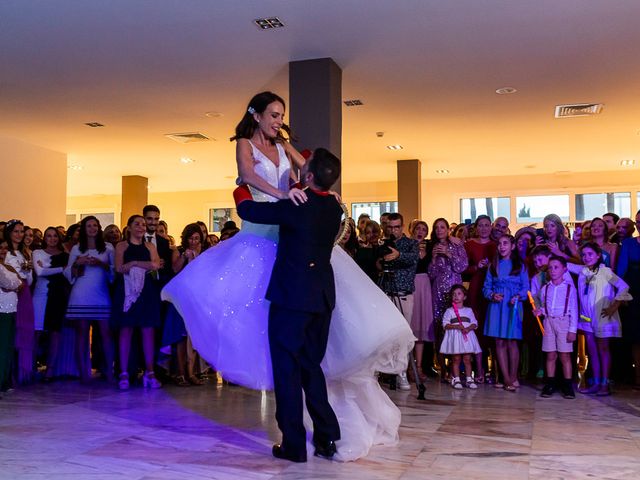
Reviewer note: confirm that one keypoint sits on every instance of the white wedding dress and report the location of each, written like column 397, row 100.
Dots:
column 220, row 295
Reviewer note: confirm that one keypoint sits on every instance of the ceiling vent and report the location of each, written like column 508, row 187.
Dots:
column 578, row 110
column 94, row 124
column 268, row 23
column 189, row 137
column 353, row 103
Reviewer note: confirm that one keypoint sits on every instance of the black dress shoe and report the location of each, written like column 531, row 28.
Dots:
column 281, row 453
column 325, row 449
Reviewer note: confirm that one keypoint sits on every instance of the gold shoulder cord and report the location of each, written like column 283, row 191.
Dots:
column 345, row 226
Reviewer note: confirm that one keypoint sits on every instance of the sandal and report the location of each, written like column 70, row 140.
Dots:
column 193, row 380
column 181, row 381
column 498, row 385
column 479, row 379
column 471, row 384
column 510, row 388
column 456, row 383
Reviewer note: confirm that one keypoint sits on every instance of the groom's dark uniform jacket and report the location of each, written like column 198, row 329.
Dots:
column 302, row 277
column 302, row 295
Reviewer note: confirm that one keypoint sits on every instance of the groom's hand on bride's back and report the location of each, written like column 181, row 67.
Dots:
column 297, row 196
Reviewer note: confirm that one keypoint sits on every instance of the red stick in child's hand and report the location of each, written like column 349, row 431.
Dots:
column 455, row 309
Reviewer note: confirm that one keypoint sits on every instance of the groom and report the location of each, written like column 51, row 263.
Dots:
column 302, row 296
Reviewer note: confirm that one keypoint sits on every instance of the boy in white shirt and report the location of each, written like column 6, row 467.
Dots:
column 559, row 305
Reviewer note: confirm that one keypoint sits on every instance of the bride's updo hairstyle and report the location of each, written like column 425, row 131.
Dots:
column 258, row 104
column 325, row 167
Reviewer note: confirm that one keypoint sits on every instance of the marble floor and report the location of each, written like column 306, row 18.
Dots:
column 70, row 431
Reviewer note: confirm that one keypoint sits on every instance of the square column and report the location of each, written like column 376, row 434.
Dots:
column 135, row 195
column 409, row 189
column 315, row 105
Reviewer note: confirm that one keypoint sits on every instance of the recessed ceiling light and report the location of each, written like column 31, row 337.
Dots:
column 75, row 167
column 353, row 103
column 214, row 114
column 94, row 124
column 627, row 163
column 506, row 91
column 443, row 171
column 394, row 147
column 186, row 160
column 268, row 23
column 529, row 166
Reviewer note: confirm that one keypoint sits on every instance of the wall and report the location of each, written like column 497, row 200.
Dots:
column 34, row 184
column 440, row 198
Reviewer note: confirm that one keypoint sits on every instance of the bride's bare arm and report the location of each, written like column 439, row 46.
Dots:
column 247, row 173
column 296, row 157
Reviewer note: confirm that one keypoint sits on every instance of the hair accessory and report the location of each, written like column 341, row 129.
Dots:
column 251, row 110
column 12, row 222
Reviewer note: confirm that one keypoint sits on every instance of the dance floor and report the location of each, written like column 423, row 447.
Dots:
column 69, row 431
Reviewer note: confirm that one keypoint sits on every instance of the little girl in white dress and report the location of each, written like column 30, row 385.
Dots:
column 460, row 340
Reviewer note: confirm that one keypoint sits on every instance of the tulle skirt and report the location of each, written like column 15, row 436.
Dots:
column 454, row 343
column 220, row 295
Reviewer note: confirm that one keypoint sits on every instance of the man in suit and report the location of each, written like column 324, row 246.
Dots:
column 302, row 296
column 151, row 215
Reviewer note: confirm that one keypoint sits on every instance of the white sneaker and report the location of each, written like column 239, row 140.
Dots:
column 403, row 382
column 471, row 383
column 455, row 383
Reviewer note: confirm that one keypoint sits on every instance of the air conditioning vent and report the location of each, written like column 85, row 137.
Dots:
column 578, row 110
column 188, row 137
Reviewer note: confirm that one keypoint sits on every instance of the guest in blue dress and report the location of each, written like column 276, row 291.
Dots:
column 506, row 286
column 137, row 298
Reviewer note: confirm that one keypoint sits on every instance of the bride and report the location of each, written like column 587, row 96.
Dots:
column 220, row 295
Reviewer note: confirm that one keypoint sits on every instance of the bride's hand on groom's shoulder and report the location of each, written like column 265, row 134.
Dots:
column 337, row 195
column 297, row 196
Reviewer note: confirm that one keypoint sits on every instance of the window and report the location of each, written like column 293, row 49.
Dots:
column 104, row 218
column 591, row 205
column 373, row 209
column 218, row 217
column 471, row 208
column 534, row 208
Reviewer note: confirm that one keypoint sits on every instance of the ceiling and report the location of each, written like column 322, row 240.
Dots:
column 426, row 71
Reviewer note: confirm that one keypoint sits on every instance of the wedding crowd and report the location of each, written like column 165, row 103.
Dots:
column 501, row 307
column 486, row 305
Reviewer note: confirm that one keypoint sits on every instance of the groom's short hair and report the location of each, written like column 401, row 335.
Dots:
column 325, row 167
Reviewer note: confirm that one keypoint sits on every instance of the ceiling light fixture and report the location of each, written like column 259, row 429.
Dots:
column 94, row 124
column 394, row 147
column 213, row 114
column 506, row 91
column 353, row 103
column 186, row 160
column 75, row 167
column 268, row 23
column 443, row 171
column 627, row 163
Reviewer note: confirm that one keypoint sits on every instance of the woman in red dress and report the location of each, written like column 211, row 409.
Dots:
column 480, row 251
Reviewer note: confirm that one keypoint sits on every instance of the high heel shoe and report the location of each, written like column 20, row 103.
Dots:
column 123, row 381
column 150, row 381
